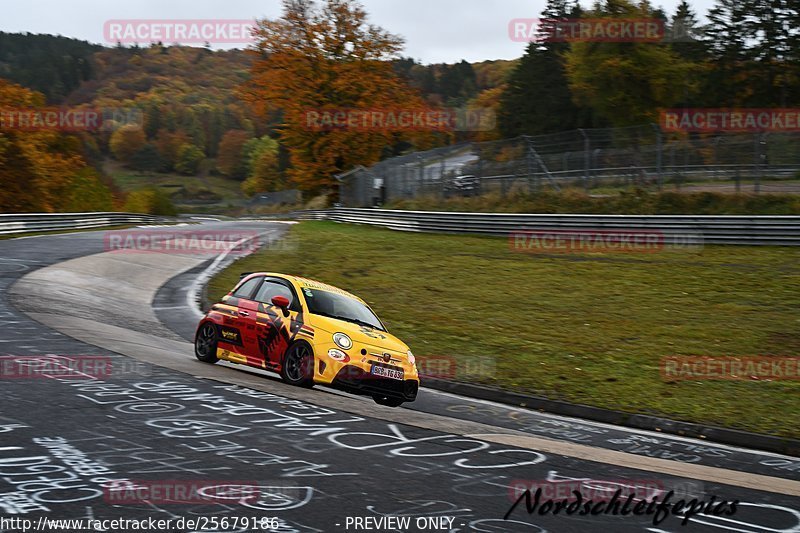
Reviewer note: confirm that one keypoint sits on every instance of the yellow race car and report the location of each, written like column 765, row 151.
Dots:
column 309, row 332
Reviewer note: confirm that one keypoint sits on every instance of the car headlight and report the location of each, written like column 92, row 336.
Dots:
column 343, row 341
column 411, row 359
column 338, row 355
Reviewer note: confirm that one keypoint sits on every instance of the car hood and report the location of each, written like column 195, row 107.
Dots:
column 360, row 335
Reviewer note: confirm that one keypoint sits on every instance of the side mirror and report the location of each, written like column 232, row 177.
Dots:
column 283, row 303
column 280, row 301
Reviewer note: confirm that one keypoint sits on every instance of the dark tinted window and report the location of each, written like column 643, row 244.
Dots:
column 339, row 306
column 271, row 289
column 246, row 290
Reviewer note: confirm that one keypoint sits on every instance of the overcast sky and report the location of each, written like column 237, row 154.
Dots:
column 435, row 30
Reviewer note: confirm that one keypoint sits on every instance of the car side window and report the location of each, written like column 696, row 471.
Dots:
column 246, row 289
column 270, row 289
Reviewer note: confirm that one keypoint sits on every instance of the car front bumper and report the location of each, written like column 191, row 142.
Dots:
column 355, row 379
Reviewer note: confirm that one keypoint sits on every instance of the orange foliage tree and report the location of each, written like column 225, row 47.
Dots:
column 230, row 154
column 41, row 170
column 126, row 141
column 485, row 107
column 169, row 145
column 327, row 58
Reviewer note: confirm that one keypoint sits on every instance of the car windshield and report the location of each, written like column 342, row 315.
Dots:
column 335, row 305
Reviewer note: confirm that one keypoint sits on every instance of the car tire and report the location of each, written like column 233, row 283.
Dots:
column 298, row 365
column 205, row 343
column 388, row 401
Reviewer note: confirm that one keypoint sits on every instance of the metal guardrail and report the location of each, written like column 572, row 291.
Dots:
column 642, row 156
column 709, row 229
column 16, row 223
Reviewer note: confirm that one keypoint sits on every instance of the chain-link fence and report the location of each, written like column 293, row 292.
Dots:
column 593, row 159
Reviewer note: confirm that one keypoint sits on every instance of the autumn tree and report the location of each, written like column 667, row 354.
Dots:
column 326, row 57
column 43, row 170
column 230, row 154
column 86, row 193
column 626, row 83
column 147, row 159
column 149, row 200
column 169, row 144
column 262, row 166
column 16, row 176
column 189, row 159
column 487, row 106
column 126, row 141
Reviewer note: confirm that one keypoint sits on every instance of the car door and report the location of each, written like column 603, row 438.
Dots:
column 248, row 311
column 275, row 328
column 233, row 332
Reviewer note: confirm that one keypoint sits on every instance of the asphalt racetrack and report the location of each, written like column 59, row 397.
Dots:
column 162, row 436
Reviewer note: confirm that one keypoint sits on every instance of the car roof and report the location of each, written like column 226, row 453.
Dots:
column 308, row 283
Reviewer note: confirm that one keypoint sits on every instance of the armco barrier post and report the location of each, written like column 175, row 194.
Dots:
column 659, row 154
column 587, row 155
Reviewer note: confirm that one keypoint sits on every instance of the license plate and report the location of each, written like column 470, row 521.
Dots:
column 387, row 372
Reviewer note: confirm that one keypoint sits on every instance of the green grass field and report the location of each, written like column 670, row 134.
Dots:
column 631, row 201
column 768, row 185
column 588, row 328
column 192, row 194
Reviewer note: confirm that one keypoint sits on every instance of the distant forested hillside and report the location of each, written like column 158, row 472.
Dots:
column 52, row 65
column 186, row 113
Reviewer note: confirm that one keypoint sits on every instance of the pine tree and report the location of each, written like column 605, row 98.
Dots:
column 685, row 34
column 754, row 53
column 770, row 21
column 538, row 98
column 727, row 35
